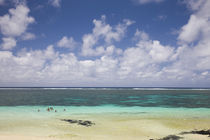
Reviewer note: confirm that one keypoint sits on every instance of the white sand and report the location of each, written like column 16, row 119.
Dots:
column 108, row 127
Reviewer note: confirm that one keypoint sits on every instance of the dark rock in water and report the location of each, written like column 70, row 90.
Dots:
column 71, row 121
column 174, row 137
column 171, row 137
column 85, row 123
column 201, row 132
column 79, row 122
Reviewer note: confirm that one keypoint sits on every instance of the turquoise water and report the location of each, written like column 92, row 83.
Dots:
column 23, row 102
column 31, row 112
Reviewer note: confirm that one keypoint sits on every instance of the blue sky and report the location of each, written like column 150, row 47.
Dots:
column 135, row 43
column 74, row 18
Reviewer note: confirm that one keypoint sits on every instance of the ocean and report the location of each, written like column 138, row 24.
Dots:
column 25, row 110
column 121, row 97
column 102, row 100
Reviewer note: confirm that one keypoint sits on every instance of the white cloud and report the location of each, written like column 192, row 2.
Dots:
column 194, row 4
column 88, row 42
column 28, row 36
column 197, row 27
column 55, row 3
column 158, row 52
column 5, row 54
column 16, row 22
column 205, row 73
column 26, row 66
column 147, row 63
column 144, row 60
column 193, row 29
column 139, row 66
column 105, row 32
column 193, row 55
column 198, row 30
column 140, row 35
column 148, row 1
column 15, row 25
column 66, row 42
column 8, row 43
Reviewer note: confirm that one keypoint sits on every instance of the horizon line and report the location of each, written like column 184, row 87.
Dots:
column 103, row 87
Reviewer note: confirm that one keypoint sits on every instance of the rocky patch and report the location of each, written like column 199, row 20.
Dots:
column 200, row 132
column 171, row 137
column 175, row 137
column 79, row 122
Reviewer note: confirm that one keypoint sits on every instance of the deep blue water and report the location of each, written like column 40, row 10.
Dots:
column 153, row 97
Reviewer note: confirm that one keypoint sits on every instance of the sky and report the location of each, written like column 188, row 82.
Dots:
column 104, row 43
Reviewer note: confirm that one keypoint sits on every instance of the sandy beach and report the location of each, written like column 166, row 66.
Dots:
column 107, row 126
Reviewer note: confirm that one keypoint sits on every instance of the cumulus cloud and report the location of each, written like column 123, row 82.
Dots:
column 105, row 32
column 66, row 42
column 144, row 59
column 48, row 65
column 109, row 33
column 146, row 63
column 16, row 22
column 55, row 3
column 138, row 63
column 156, row 51
column 8, row 43
column 193, row 54
column 197, row 27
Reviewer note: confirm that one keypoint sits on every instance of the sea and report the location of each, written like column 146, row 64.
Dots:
column 181, row 101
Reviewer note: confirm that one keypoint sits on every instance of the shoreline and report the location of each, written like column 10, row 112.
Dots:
column 119, row 125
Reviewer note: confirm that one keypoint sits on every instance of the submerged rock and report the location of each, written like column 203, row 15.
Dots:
column 201, row 132
column 175, row 137
column 70, row 121
column 171, row 137
column 86, row 123
column 79, row 122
